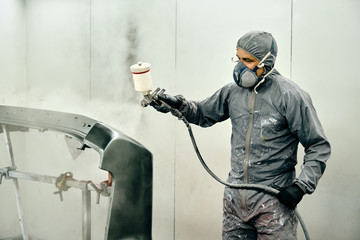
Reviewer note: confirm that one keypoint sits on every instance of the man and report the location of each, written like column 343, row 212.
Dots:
column 270, row 115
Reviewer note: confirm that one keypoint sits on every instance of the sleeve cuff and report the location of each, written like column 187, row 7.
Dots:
column 301, row 186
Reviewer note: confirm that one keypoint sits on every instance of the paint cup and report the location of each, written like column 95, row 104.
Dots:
column 142, row 77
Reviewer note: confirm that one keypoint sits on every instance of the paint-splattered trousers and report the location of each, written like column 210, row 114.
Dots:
column 258, row 216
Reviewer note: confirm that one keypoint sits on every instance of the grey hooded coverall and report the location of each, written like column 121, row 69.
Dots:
column 267, row 127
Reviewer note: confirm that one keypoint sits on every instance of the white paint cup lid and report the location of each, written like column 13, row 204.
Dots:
column 140, row 68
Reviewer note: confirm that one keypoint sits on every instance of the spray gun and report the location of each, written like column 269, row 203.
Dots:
column 143, row 83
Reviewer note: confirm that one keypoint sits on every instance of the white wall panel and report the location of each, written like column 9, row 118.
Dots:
column 12, row 52
column 123, row 33
column 12, row 92
column 207, row 32
column 57, row 78
column 326, row 37
column 78, row 59
column 58, row 54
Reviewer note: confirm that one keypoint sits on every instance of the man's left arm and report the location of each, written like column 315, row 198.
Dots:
column 305, row 124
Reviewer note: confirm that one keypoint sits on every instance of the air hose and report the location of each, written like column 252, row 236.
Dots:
column 258, row 187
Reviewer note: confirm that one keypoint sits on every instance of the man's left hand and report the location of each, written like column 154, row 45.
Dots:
column 291, row 196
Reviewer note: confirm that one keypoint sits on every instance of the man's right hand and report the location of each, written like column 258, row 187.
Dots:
column 173, row 102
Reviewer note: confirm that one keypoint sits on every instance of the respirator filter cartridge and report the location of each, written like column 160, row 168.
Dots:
column 142, row 77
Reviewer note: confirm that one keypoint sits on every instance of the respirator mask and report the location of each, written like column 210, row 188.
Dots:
column 245, row 77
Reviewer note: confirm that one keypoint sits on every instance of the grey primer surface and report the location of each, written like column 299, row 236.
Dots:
column 130, row 164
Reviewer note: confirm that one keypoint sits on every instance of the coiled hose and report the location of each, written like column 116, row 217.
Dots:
column 260, row 187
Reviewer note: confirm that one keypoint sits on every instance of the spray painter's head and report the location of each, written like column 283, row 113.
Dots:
column 142, row 77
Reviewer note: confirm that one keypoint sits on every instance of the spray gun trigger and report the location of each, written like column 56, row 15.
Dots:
column 151, row 98
column 155, row 94
column 160, row 93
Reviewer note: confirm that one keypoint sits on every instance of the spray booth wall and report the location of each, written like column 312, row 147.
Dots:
column 74, row 56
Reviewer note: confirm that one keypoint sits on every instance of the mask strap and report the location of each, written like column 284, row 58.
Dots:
column 262, row 80
column 261, row 63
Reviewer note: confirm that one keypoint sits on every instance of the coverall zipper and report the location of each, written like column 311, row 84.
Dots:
column 247, row 151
